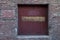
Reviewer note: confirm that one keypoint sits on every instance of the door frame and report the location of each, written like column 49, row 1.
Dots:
column 32, row 36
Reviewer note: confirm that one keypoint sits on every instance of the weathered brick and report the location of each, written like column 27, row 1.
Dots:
column 9, row 20
column 8, row 13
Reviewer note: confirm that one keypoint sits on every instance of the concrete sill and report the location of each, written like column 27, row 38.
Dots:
column 33, row 36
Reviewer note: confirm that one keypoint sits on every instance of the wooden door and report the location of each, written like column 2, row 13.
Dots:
column 33, row 20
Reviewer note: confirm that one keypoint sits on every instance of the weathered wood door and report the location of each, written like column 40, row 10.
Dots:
column 33, row 20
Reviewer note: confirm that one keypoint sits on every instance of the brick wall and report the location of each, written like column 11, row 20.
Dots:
column 9, row 19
